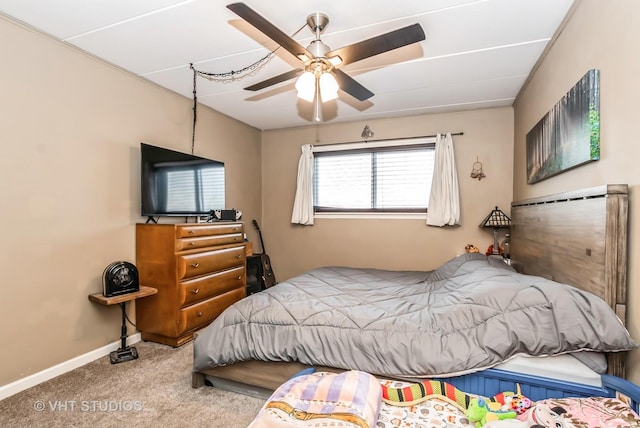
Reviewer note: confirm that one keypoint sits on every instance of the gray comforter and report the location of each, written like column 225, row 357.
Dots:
column 471, row 313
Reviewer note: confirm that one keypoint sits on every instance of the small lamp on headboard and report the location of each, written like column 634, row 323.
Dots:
column 497, row 220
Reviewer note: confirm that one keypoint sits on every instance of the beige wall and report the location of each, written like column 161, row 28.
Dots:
column 601, row 35
column 70, row 128
column 386, row 243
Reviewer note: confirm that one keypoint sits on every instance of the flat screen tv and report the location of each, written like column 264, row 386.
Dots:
column 179, row 184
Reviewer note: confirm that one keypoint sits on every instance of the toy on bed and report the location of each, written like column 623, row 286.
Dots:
column 510, row 401
column 538, row 416
column 481, row 411
column 419, row 392
column 470, row 248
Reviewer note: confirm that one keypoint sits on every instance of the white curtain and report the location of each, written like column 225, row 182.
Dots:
column 444, row 201
column 303, row 203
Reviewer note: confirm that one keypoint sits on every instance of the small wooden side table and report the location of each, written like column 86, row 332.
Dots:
column 124, row 353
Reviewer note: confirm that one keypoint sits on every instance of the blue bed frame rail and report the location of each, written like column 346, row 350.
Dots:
column 494, row 381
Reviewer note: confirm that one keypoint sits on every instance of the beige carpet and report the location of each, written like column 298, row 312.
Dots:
column 152, row 391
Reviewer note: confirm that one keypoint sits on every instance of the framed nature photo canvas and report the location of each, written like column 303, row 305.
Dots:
column 569, row 134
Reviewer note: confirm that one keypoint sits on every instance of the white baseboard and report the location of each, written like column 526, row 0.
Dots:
column 79, row 361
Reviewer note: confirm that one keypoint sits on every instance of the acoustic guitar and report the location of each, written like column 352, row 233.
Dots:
column 268, row 277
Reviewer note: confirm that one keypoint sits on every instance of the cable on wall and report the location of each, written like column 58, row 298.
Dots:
column 195, row 112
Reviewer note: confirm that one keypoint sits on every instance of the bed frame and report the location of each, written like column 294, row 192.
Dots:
column 579, row 238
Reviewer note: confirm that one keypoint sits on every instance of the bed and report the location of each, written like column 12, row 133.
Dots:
column 575, row 238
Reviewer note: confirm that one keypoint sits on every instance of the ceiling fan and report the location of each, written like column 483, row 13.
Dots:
column 320, row 76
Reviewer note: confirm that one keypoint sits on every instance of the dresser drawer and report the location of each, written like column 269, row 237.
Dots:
column 204, row 287
column 208, row 241
column 203, row 313
column 192, row 265
column 199, row 229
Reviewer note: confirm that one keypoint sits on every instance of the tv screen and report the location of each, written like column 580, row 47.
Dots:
column 179, row 184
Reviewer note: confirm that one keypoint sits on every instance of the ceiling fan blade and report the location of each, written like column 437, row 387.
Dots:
column 270, row 30
column 351, row 87
column 379, row 44
column 274, row 80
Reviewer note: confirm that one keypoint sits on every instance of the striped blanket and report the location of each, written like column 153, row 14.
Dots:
column 351, row 399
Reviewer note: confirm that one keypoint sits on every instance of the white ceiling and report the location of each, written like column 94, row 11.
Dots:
column 477, row 53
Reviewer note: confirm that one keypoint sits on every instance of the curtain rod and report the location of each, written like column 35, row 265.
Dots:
column 385, row 139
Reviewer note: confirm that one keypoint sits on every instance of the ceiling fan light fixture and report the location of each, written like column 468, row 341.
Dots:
column 335, row 60
column 328, row 87
column 306, row 86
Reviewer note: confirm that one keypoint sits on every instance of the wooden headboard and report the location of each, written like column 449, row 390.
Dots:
column 577, row 238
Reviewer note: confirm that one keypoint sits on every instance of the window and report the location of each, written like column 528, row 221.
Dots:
column 387, row 178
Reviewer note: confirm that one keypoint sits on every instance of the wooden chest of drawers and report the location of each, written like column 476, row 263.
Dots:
column 198, row 270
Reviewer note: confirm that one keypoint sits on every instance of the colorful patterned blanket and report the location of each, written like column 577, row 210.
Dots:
column 582, row 413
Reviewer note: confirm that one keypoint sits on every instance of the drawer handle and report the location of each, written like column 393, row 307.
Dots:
column 196, row 291
column 192, row 232
column 192, row 243
column 195, row 265
column 237, row 238
column 239, row 277
column 199, row 314
column 238, row 256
